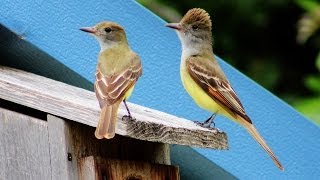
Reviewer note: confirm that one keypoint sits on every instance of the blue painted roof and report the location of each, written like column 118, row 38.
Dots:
column 53, row 28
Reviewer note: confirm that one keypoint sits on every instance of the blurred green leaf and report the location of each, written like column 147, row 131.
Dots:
column 310, row 107
column 318, row 62
column 308, row 5
column 313, row 83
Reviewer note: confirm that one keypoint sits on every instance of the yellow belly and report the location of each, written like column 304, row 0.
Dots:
column 200, row 97
column 129, row 92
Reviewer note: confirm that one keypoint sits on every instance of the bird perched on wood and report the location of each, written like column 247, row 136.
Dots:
column 203, row 78
column 117, row 71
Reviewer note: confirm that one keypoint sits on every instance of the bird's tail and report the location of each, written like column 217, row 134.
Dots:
column 107, row 122
column 255, row 134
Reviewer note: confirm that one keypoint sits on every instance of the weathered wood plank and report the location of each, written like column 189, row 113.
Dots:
column 95, row 168
column 63, row 164
column 81, row 105
column 24, row 152
column 85, row 144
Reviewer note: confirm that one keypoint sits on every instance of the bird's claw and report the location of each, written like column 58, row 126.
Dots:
column 128, row 117
column 205, row 125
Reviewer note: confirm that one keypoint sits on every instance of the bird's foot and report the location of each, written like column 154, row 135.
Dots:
column 128, row 117
column 207, row 123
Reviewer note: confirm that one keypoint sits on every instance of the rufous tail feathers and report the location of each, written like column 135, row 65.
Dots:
column 107, row 122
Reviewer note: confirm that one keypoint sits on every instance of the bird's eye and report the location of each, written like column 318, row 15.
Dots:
column 195, row 27
column 108, row 30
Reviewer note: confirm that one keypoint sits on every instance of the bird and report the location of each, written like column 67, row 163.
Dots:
column 203, row 78
column 117, row 71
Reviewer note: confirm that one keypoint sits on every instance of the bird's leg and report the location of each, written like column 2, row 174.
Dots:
column 207, row 123
column 210, row 121
column 129, row 114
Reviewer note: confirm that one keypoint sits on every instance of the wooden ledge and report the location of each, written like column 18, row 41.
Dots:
column 80, row 105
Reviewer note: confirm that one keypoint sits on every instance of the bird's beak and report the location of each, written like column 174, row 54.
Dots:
column 176, row 26
column 89, row 30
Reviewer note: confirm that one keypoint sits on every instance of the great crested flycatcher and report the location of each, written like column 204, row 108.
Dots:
column 203, row 78
column 117, row 71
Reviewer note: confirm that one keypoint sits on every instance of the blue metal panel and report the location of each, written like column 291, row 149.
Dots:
column 53, row 27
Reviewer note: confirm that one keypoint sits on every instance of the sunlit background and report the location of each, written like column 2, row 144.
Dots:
column 274, row 42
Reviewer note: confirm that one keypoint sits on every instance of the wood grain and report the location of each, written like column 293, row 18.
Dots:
column 94, row 168
column 81, row 106
column 63, row 162
column 24, row 152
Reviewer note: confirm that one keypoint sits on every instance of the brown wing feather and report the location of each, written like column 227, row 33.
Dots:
column 218, row 88
column 212, row 80
column 109, row 89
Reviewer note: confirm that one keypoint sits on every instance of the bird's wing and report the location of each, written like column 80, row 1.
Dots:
column 208, row 75
column 111, row 88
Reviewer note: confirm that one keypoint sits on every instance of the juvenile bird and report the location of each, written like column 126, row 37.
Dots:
column 117, row 71
column 203, row 78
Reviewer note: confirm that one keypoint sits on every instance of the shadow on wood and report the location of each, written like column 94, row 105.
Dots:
column 92, row 168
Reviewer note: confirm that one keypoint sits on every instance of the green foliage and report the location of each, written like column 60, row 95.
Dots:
column 318, row 62
column 310, row 107
column 308, row 25
column 307, row 5
column 313, row 83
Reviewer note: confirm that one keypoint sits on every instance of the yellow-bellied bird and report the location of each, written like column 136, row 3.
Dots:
column 203, row 78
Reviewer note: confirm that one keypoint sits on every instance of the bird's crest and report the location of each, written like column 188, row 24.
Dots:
column 196, row 15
